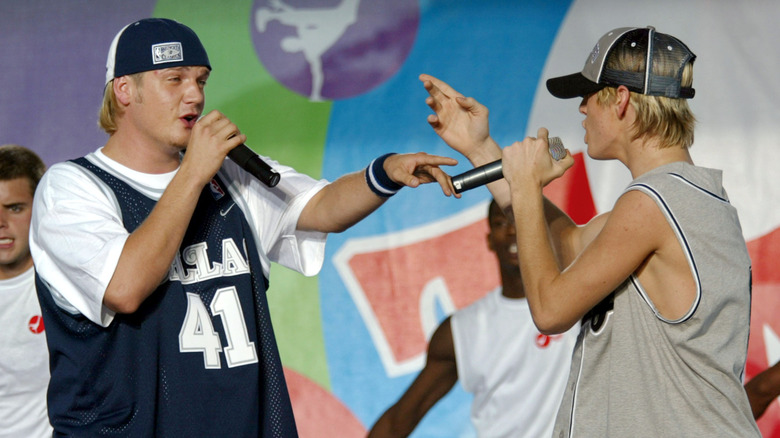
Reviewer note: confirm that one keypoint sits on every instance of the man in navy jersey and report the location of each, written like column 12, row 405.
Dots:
column 153, row 263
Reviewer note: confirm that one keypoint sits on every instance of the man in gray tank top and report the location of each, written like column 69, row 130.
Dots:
column 662, row 283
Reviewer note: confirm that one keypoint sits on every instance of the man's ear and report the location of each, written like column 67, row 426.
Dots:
column 124, row 89
column 622, row 100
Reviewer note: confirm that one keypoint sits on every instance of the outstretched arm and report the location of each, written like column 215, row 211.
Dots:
column 763, row 389
column 349, row 199
column 433, row 383
column 462, row 123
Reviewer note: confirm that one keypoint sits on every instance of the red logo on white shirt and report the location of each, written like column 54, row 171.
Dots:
column 36, row 324
column 543, row 341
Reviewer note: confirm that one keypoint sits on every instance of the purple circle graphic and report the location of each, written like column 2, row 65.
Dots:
column 333, row 49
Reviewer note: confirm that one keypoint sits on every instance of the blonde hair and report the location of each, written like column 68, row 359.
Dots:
column 110, row 108
column 668, row 120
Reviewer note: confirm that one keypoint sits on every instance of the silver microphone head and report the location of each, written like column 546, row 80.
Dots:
column 557, row 151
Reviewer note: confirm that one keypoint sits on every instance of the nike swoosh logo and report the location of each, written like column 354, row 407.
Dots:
column 224, row 213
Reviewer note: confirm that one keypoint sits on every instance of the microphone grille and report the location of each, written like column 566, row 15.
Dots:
column 557, row 151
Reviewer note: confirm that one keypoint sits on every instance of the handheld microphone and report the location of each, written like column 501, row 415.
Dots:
column 252, row 163
column 490, row 172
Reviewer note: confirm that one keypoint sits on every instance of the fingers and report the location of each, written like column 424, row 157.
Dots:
column 434, row 103
column 466, row 103
column 423, row 159
column 428, row 174
column 542, row 133
column 219, row 128
column 439, row 92
column 445, row 182
column 212, row 138
column 472, row 106
column 566, row 162
column 530, row 161
column 438, row 86
column 412, row 170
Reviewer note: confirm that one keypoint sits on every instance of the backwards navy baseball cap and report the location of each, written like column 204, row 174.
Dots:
column 646, row 43
column 153, row 44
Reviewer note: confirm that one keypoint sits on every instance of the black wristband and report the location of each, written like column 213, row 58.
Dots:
column 377, row 178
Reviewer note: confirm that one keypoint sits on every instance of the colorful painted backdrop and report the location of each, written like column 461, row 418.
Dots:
column 327, row 85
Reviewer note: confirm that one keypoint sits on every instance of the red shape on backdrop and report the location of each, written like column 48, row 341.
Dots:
column 393, row 280
column 764, row 254
column 319, row 413
column 571, row 192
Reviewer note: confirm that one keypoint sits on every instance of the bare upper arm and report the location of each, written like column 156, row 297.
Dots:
column 434, row 382
column 614, row 245
column 572, row 239
column 763, row 389
column 440, row 371
column 339, row 205
column 441, row 346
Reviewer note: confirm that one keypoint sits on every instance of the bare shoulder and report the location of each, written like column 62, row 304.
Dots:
column 441, row 346
column 638, row 213
column 664, row 272
column 635, row 221
column 624, row 239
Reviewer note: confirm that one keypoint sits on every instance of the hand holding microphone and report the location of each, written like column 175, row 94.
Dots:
column 490, row 172
column 248, row 160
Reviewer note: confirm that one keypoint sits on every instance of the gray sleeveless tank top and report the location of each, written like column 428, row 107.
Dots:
column 635, row 373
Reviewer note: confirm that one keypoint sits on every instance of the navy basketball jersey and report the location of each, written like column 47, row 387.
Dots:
column 198, row 358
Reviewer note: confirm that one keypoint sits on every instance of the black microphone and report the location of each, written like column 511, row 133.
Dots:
column 490, row 172
column 252, row 163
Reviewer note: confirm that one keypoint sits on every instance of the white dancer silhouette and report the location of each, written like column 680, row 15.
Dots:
column 318, row 29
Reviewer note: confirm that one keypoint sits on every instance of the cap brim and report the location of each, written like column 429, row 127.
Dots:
column 573, row 85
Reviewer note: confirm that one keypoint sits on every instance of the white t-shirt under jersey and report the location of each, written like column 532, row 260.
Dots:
column 24, row 360
column 77, row 234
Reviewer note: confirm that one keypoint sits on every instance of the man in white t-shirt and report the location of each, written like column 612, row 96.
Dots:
column 24, row 362
column 516, row 374
column 153, row 263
